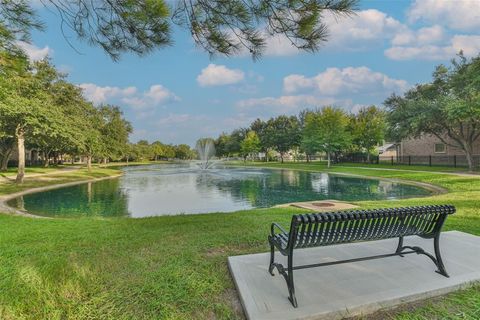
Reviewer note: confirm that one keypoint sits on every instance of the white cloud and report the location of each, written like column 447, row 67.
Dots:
column 458, row 15
column 159, row 94
column 219, row 75
column 469, row 44
column 279, row 45
column 361, row 30
column 335, row 81
column 423, row 36
column 98, row 94
column 155, row 95
column 33, row 52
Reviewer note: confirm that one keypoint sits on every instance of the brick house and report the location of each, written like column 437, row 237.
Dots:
column 430, row 145
column 428, row 150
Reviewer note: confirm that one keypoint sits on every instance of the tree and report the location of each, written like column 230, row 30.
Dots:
column 26, row 111
column 91, row 124
column 63, row 134
column 308, row 144
column 114, row 131
column 158, row 150
column 284, row 133
column 262, row 129
column 222, row 145
column 183, row 152
column 251, row 143
column 218, row 26
column 169, row 151
column 326, row 130
column 448, row 107
column 236, row 138
column 368, row 128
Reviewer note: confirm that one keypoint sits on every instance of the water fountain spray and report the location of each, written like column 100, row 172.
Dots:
column 206, row 151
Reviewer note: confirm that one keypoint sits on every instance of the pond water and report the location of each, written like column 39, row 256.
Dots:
column 174, row 189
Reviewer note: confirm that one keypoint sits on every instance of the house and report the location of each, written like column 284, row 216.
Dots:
column 32, row 156
column 430, row 145
column 430, row 150
column 388, row 149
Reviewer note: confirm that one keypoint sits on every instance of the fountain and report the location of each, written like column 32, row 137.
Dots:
column 206, row 150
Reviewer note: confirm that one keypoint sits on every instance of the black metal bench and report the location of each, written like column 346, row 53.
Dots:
column 323, row 229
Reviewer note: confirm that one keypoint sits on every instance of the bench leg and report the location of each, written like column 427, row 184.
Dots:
column 399, row 246
column 441, row 268
column 272, row 259
column 290, row 284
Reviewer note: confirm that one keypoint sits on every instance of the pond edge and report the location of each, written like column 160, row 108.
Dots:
column 6, row 209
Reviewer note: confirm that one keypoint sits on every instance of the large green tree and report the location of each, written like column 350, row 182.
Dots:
column 63, row 134
column 448, row 107
column 284, row 133
column 368, row 128
column 218, row 26
column 326, row 130
column 114, row 132
column 251, row 144
column 26, row 111
column 263, row 131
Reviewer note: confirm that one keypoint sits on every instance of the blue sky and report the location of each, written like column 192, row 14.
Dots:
column 179, row 94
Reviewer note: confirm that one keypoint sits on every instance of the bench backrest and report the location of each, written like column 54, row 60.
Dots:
column 318, row 229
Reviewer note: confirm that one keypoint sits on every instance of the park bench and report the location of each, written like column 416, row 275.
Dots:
column 324, row 229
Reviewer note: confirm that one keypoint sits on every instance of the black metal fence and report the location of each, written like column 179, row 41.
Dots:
column 437, row 160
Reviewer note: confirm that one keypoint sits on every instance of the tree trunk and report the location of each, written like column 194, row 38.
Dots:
column 469, row 156
column 105, row 161
column 368, row 157
column 281, row 156
column 89, row 163
column 328, row 159
column 308, row 158
column 46, row 159
column 4, row 160
column 20, row 134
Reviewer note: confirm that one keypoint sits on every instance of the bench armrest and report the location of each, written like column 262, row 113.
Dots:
column 276, row 225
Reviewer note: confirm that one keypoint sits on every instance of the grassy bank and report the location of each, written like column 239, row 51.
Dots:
column 176, row 267
column 57, row 176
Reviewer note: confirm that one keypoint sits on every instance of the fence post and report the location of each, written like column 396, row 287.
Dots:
column 430, row 160
column 409, row 160
column 392, row 160
column 455, row 161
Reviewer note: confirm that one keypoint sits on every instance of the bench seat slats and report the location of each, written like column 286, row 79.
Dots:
column 321, row 229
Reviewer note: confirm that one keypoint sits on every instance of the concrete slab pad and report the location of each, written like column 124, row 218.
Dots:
column 358, row 288
column 324, row 205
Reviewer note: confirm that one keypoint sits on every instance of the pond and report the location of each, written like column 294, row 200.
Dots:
column 182, row 188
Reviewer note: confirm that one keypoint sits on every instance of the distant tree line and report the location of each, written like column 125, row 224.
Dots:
column 328, row 130
column 143, row 150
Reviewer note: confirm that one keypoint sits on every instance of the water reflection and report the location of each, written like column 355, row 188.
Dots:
column 174, row 189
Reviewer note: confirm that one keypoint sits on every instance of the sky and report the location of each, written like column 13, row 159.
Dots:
column 179, row 94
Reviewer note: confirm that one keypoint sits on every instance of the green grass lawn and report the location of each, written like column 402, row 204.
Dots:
column 176, row 267
column 12, row 171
